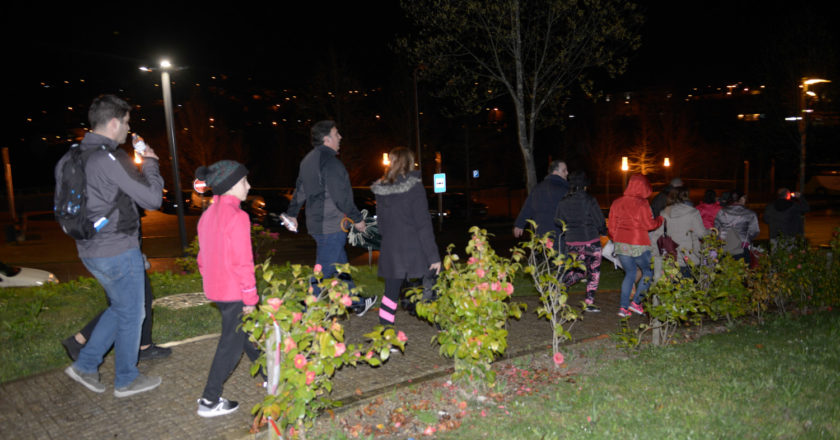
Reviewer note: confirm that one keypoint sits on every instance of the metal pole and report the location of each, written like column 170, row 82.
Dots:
column 803, row 130
column 746, row 177
column 417, row 126
column 10, row 192
column 170, row 128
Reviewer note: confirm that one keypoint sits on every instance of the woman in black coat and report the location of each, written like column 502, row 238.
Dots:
column 584, row 227
column 408, row 248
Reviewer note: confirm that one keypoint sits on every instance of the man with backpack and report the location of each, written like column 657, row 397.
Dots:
column 110, row 247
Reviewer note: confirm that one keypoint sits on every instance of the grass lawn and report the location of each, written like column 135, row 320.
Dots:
column 778, row 380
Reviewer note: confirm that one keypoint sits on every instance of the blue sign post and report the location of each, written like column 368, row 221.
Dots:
column 440, row 183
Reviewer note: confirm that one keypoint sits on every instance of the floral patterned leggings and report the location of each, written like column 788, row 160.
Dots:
column 590, row 254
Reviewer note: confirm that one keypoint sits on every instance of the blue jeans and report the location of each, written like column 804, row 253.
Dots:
column 630, row 264
column 329, row 251
column 122, row 277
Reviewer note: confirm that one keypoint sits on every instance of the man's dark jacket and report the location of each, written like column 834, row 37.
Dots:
column 541, row 205
column 324, row 185
column 784, row 217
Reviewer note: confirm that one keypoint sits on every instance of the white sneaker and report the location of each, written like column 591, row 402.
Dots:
column 369, row 302
column 221, row 407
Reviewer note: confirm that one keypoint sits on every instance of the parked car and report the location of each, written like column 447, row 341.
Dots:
column 455, row 206
column 15, row 276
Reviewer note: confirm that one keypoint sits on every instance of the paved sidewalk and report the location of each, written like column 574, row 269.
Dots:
column 52, row 406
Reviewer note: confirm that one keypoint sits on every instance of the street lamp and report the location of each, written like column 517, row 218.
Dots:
column 165, row 67
column 625, row 166
column 385, row 159
column 803, row 125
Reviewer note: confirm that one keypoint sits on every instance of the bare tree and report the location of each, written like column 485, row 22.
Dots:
column 533, row 51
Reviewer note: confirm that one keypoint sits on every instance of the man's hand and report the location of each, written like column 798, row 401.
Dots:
column 148, row 152
column 435, row 267
column 360, row 226
column 517, row 232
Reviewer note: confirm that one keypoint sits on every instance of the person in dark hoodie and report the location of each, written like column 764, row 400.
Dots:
column 630, row 221
column 541, row 204
column 585, row 225
column 784, row 216
column 408, row 249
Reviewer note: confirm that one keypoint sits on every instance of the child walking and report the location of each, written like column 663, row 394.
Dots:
column 226, row 263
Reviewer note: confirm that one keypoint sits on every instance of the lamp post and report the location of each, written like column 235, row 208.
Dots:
column 165, row 67
column 625, row 166
column 803, row 125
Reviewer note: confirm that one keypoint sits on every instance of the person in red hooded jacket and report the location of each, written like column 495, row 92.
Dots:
column 629, row 222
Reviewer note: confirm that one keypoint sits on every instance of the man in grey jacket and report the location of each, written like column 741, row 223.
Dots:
column 113, row 255
column 324, row 186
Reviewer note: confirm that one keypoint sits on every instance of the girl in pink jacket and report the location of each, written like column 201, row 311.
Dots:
column 226, row 264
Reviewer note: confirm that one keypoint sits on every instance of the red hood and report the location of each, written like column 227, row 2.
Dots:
column 638, row 187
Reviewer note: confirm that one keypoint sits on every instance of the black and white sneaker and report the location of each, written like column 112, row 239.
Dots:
column 221, row 407
column 366, row 305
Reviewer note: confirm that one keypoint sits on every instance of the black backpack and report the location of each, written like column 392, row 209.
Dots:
column 71, row 195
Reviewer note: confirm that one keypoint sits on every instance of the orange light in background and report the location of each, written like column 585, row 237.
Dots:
column 624, row 165
column 385, row 160
column 667, row 162
column 138, row 159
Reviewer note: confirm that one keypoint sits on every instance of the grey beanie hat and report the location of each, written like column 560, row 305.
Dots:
column 222, row 175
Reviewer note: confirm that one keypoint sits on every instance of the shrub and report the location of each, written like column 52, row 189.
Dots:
column 472, row 309
column 548, row 267
column 304, row 344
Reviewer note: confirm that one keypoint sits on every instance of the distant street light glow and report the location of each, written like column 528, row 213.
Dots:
column 385, row 159
column 165, row 64
column 666, row 163
column 624, row 165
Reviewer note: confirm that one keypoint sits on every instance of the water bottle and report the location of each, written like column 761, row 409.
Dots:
column 288, row 224
column 137, row 142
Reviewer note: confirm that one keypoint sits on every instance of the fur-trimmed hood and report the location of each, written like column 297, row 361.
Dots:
column 402, row 185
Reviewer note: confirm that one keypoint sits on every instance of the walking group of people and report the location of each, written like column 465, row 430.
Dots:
column 115, row 188
column 225, row 258
column 635, row 227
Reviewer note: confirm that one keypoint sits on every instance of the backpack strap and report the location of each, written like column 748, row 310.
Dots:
column 83, row 157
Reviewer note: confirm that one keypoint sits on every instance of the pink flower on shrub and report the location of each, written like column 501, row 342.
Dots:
column 317, row 268
column 369, row 355
column 401, row 336
column 549, row 243
column 346, row 301
column 334, row 283
column 275, row 303
column 558, row 358
column 472, row 260
column 289, row 344
column 480, row 272
column 300, row 362
column 310, row 377
column 496, row 286
column 509, row 288
column 340, row 349
column 483, row 286
column 799, row 266
column 296, row 316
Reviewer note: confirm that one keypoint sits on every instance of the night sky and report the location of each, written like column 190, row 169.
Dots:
column 282, row 44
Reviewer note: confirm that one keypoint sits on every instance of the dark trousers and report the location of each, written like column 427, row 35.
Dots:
column 145, row 330
column 232, row 343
